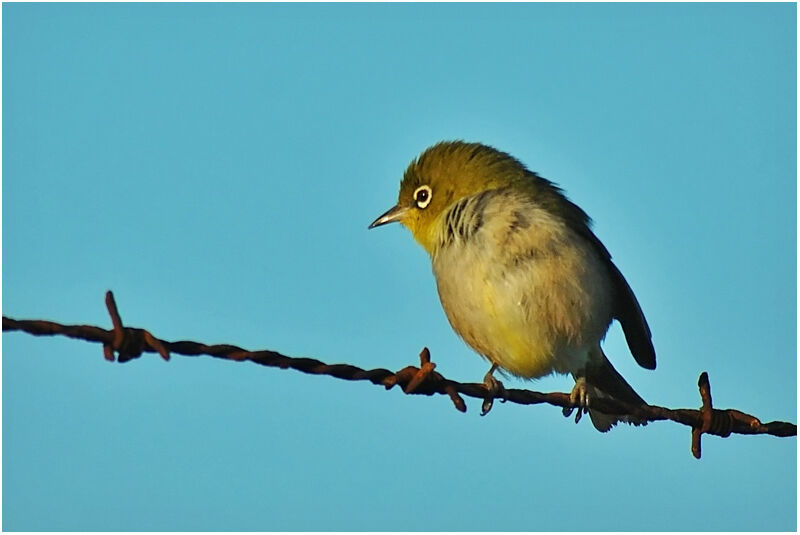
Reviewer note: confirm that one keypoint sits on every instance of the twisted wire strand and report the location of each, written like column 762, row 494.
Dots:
column 127, row 343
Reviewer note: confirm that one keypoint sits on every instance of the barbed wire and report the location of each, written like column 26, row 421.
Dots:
column 130, row 342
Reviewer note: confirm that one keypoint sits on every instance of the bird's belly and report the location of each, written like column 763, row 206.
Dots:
column 531, row 320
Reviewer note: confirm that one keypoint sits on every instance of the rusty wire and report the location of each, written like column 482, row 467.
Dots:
column 130, row 342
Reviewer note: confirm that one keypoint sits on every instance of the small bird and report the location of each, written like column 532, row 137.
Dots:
column 520, row 274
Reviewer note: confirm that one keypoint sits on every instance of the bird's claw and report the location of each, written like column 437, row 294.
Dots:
column 578, row 396
column 495, row 390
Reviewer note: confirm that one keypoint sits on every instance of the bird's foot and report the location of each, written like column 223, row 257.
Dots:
column 579, row 396
column 495, row 389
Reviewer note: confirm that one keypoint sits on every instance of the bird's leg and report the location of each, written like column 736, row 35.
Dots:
column 495, row 389
column 579, row 396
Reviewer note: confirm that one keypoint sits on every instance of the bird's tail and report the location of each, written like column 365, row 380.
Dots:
column 604, row 381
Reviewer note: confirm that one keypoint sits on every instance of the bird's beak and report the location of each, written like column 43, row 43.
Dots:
column 395, row 213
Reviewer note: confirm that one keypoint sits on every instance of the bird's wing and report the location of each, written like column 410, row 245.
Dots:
column 631, row 317
column 626, row 307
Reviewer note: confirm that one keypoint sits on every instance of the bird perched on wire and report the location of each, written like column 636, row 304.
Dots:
column 521, row 276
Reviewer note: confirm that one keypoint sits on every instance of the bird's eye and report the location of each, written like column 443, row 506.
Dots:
column 422, row 196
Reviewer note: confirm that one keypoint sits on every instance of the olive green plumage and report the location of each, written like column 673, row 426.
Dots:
column 521, row 276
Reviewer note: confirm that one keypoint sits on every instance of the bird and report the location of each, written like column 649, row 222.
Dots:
column 520, row 274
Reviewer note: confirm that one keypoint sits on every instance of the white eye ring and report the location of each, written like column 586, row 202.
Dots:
column 423, row 196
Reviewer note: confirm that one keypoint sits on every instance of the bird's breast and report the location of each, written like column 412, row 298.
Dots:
column 519, row 287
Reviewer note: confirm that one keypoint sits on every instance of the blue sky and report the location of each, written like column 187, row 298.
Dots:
column 216, row 166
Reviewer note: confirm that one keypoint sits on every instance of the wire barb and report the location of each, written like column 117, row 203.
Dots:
column 129, row 343
column 706, row 414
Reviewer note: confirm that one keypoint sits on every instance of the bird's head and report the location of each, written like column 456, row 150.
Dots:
column 442, row 175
